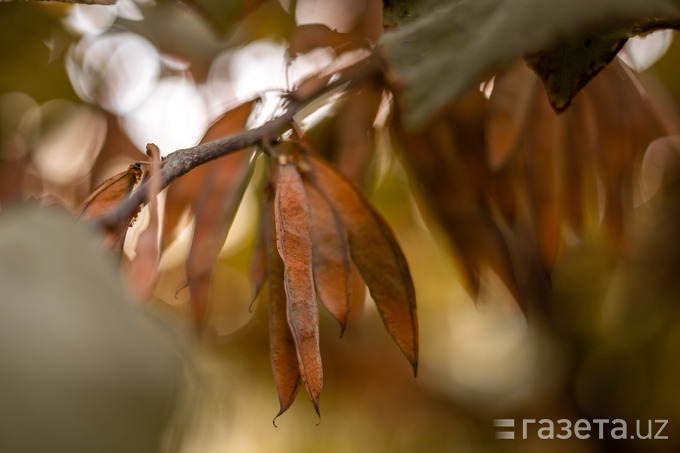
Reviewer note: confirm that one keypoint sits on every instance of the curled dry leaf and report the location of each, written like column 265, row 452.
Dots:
column 377, row 255
column 544, row 144
column 448, row 159
column 105, row 197
column 186, row 191
column 331, row 257
column 294, row 243
column 143, row 274
column 508, row 105
column 214, row 215
column 284, row 356
column 222, row 184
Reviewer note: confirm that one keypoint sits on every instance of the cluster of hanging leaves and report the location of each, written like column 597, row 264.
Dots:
column 321, row 220
column 318, row 237
column 510, row 180
column 322, row 225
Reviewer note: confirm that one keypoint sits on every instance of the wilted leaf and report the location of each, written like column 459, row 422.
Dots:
column 109, row 193
column 544, row 142
column 507, row 116
column 576, row 166
column 375, row 251
column 143, row 274
column 283, row 351
column 185, row 192
column 213, row 191
column 569, row 65
column 294, row 243
column 447, row 158
column 440, row 55
column 331, row 257
column 215, row 212
column 106, row 196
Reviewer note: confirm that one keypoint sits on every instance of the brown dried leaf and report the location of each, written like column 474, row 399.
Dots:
column 614, row 151
column 507, row 115
column 143, row 274
column 186, row 191
column 447, row 158
column 294, row 243
column 331, row 257
column 282, row 347
column 109, row 193
column 375, row 251
column 221, row 183
column 577, row 167
column 107, row 196
column 543, row 147
column 214, row 214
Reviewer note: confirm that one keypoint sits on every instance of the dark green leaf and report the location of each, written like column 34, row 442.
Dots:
column 443, row 53
column 568, row 66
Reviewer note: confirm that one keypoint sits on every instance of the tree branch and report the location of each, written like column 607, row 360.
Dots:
column 182, row 161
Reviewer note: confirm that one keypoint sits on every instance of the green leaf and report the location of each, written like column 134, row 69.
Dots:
column 81, row 362
column 438, row 56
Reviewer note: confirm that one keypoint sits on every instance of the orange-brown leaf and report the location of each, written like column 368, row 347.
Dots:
column 544, row 179
column 222, row 184
column 294, row 243
column 108, row 195
column 507, row 115
column 215, row 212
column 377, row 255
column 331, row 257
column 186, row 191
column 143, row 274
column 282, row 347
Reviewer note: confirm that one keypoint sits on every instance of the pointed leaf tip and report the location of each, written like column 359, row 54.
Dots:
column 283, row 352
column 294, row 244
column 331, row 257
column 377, row 255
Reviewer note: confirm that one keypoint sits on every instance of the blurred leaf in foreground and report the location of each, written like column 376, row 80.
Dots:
column 82, row 368
column 438, row 56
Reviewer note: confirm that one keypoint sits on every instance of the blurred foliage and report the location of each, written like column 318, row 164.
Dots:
column 543, row 248
column 437, row 57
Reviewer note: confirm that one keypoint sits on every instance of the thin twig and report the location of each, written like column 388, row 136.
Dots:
column 182, row 161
